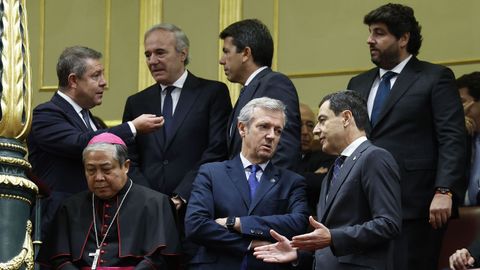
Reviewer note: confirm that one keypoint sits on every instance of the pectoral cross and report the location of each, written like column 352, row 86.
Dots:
column 95, row 258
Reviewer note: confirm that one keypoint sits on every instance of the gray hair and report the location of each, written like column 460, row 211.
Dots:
column 73, row 60
column 266, row 103
column 119, row 151
column 181, row 38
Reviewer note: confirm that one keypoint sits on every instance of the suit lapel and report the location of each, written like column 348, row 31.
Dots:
column 323, row 192
column 268, row 180
column 237, row 175
column 405, row 79
column 365, row 86
column 185, row 103
column 69, row 111
column 342, row 176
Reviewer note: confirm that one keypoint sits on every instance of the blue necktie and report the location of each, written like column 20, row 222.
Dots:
column 167, row 111
column 252, row 179
column 382, row 94
column 86, row 118
column 474, row 182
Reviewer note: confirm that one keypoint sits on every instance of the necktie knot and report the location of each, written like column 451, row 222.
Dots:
column 388, row 75
column 254, row 168
column 169, row 89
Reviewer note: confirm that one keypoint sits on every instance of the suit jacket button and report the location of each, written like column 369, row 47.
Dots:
column 165, row 162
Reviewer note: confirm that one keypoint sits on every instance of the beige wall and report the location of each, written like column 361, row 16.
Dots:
column 320, row 44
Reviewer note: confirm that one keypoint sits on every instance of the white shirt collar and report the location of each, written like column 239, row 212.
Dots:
column 70, row 100
column 250, row 78
column 247, row 163
column 179, row 82
column 398, row 68
column 353, row 146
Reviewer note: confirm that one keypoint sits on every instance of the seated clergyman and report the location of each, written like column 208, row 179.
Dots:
column 116, row 223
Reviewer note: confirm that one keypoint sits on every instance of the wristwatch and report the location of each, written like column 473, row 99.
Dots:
column 230, row 223
column 444, row 191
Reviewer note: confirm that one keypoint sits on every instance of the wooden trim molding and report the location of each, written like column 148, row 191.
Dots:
column 331, row 73
column 41, row 47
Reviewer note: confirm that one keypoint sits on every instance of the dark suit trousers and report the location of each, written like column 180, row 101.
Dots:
column 418, row 237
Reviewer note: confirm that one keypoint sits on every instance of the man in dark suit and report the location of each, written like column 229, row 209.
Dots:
column 315, row 163
column 62, row 127
column 359, row 210
column 195, row 110
column 247, row 58
column 420, row 121
column 235, row 203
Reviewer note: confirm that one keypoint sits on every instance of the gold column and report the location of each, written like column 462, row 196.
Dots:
column 230, row 12
column 150, row 14
column 17, row 193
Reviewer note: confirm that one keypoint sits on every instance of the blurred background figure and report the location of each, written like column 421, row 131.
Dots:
column 469, row 89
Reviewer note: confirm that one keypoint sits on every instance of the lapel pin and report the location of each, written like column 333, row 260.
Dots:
column 272, row 180
column 355, row 157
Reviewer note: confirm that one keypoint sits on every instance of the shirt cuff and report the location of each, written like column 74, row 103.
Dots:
column 132, row 128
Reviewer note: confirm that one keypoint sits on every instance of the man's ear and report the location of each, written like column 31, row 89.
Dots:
column 127, row 165
column 347, row 118
column 72, row 80
column 242, row 129
column 404, row 40
column 246, row 54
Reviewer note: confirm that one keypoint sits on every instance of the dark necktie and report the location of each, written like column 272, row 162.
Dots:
column 337, row 165
column 252, row 179
column 167, row 111
column 86, row 119
column 382, row 94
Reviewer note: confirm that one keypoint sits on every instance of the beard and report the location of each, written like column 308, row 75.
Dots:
column 388, row 58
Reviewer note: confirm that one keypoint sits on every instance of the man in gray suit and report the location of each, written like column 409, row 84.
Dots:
column 359, row 210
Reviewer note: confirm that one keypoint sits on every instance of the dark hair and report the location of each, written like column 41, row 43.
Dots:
column 399, row 19
column 73, row 60
column 472, row 83
column 254, row 34
column 349, row 100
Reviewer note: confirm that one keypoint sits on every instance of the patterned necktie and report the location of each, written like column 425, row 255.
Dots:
column 252, row 179
column 86, row 119
column 381, row 96
column 167, row 111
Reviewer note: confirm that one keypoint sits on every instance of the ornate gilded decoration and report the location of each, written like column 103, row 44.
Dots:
column 20, row 148
column 15, row 103
column 16, row 191
column 25, row 257
column 15, row 161
column 18, row 182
